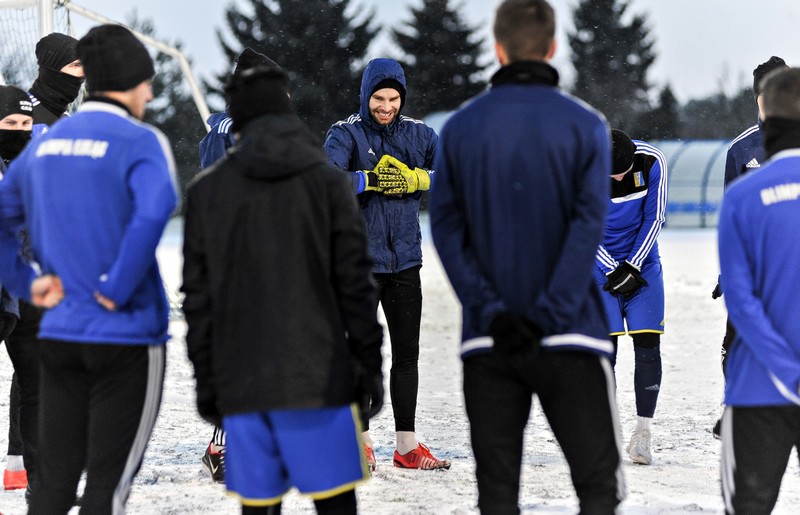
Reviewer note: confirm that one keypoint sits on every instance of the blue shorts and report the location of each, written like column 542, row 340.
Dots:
column 643, row 311
column 317, row 451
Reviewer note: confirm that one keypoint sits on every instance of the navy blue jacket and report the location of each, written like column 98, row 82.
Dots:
column 356, row 144
column 218, row 140
column 745, row 153
column 518, row 206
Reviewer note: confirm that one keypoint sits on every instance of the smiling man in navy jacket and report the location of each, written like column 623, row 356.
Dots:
column 94, row 227
column 517, row 214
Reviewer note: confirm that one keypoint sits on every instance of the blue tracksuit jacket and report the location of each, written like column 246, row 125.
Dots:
column 518, row 206
column 636, row 212
column 357, row 143
column 218, row 140
column 745, row 153
column 95, row 192
column 758, row 249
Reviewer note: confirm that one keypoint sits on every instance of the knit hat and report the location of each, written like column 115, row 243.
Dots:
column 255, row 92
column 114, row 59
column 763, row 69
column 249, row 58
column 14, row 101
column 622, row 154
column 54, row 51
column 393, row 84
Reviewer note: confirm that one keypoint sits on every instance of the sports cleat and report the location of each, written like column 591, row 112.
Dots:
column 420, row 458
column 15, row 479
column 717, row 429
column 639, row 447
column 214, row 461
column 370, row 454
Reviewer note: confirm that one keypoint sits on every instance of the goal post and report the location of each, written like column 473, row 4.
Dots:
column 19, row 59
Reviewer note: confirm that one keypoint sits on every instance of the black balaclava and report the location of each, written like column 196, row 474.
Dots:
column 13, row 101
column 780, row 134
column 773, row 63
column 53, row 88
column 249, row 58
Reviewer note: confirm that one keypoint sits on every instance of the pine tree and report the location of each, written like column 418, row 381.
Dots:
column 173, row 110
column 443, row 54
column 663, row 122
column 611, row 59
column 317, row 42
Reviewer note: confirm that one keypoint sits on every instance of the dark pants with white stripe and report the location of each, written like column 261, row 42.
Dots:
column 576, row 392
column 756, row 445
column 98, row 406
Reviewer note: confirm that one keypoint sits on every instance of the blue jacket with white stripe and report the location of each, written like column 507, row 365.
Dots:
column 219, row 139
column 95, row 223
column 758, row 249
column 356, row 144
column 636, row 212
column 518, row 206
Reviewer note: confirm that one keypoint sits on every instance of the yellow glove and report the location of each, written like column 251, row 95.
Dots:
column 396, row 178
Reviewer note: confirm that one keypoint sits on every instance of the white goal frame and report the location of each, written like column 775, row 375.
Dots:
column 45, row 9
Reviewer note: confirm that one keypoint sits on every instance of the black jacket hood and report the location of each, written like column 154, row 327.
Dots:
column 281, row 145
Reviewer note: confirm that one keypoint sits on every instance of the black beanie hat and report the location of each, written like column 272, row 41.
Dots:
column 249, row 58
column 763, row 69
column 394, row 84
column 255, row 92
column 54, row 51
column 14, row 101
column 114, row 59
column 623, row 150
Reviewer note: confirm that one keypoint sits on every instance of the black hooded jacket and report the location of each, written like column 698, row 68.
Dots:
column 279, row 297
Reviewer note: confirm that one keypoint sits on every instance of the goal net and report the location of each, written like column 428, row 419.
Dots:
column 21, row 27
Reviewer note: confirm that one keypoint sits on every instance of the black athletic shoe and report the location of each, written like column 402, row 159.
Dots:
column 214, row 461
column 717, row 429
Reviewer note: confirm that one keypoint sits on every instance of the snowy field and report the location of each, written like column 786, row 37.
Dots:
column 683, row 479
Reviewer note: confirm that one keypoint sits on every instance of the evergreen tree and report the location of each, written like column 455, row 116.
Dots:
column 173, row 110
column 317, row 42
column 443, row 52
column 719, row 116
column 663, row 122
column 611, row 59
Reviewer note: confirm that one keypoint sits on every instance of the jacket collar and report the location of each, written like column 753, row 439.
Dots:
column 526, row 72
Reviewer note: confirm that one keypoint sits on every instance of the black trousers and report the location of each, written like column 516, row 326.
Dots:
column 23, row 349
column 727, row 341
column 756, row 445
column 400, row 296
column 98, row 406
column 576, row 392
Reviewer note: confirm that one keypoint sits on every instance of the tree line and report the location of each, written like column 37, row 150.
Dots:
column 324, row 45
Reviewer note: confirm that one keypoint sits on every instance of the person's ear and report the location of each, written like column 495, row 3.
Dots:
column 551, row 51
column 502, row 56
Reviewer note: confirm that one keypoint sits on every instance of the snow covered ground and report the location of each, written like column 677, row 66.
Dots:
column 683, row 479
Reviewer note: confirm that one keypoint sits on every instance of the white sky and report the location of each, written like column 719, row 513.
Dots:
column 701, row 44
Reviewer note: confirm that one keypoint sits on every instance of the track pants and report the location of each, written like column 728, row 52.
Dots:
column 756, row 445
column 23, row 421
column 576, row 392
column 400, row 295
column 98, row 406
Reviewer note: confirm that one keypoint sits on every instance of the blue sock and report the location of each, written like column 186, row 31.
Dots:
column 647, row 380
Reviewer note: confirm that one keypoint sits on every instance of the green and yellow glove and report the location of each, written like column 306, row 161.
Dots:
column 370, row 181
column 396, row 178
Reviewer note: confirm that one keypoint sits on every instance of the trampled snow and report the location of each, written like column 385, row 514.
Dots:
column 684, row 477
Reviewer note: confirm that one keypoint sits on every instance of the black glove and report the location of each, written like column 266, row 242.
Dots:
column 207, row 406
column 624, row 280
column 369, row 394
column 514, row 333
column 717, row 293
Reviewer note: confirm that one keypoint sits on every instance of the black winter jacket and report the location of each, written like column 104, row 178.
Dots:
column 279, row 295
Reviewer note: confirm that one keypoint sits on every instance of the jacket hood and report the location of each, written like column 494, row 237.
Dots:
column 274, row 147
column 376, row 71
